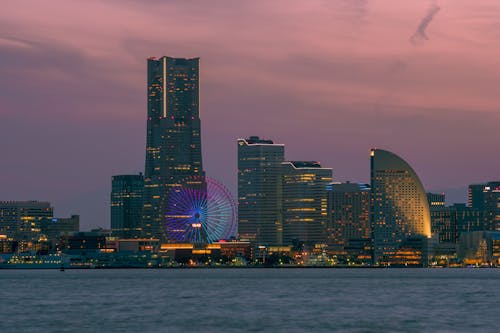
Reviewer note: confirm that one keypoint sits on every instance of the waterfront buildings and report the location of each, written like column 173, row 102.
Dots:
column 23, row 220
column 7, row 245
column 449, row 222
column 126, row 205
column 173, row 142
column 303, row 211
column 400, row 212
column 56, row 227
column 486, row 199
column 479, row 247
column 259, row 190
column 349, row 229
column 83, row 243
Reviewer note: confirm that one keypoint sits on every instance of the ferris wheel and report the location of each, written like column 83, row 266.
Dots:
column 204, row 213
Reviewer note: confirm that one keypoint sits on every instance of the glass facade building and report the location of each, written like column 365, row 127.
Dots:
column 259, row 190
column 126, row 205
column 486, row 199
column 399, row 207
column 303, row 208
column 450, row 222
column 173, row 143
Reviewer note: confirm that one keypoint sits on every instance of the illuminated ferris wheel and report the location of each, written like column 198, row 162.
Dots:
column 203, row 213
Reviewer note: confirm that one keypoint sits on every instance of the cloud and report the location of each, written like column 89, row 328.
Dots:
column 327, row 78
column 420, row 34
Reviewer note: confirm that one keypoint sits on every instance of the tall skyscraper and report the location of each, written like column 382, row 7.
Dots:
column 400, row 211
column 126, row 205
column 303, row 210
column 259, row 190
column 173, row 144
column 349, row 216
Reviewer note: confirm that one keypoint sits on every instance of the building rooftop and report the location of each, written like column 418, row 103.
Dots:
column 305, row 164
column 256, row 139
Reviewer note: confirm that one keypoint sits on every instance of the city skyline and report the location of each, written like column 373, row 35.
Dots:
column 84, row 119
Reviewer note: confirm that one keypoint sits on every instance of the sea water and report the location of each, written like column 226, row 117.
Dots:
column 250, row 300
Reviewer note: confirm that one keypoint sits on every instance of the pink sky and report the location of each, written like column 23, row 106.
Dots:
column 330, row 79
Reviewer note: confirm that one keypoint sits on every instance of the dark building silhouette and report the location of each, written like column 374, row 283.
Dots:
column 486, row 199
column 58, row 227
column 126, row 205
column 173, row 143
column 83, row 243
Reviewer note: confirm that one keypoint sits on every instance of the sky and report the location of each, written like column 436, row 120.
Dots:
column 328, row 78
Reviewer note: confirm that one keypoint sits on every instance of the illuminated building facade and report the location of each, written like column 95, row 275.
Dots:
column 126, row 205
column 400, row 210
column 22, row 220
column 303, row 210
column 349, row 217
column 259, row 190
column 479, row 247
column 173, row 143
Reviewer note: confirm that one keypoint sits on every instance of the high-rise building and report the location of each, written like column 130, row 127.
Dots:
column 173, row 143
column 400, row 211
column 22, row 220
column 303, row 210
column 486, row 198
column 126, row 205
column 349, row 217
column 259, row 190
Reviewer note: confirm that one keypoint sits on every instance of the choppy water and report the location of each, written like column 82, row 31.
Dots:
column 250, row 300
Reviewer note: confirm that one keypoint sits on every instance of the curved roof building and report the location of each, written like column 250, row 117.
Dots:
column 400, row 210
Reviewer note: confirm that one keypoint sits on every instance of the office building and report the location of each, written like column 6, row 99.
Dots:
column 303, row 210
column 259, row 190
column 436, row 200
column 349, row 229
column 22, row 220
column 58, row 227
column 449, row 222
column 126, row 205
column 400, row 211
column 173, row 143
column 486, row 198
